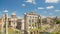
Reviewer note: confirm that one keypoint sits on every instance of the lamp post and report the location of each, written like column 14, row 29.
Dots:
column 6, row 21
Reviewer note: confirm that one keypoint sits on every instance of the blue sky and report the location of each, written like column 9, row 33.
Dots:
column 42, row 7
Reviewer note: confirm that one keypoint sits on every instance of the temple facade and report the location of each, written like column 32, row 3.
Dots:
column 32, row 23
column 13, row 20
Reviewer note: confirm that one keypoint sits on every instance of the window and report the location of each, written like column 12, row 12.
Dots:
column 32, row 20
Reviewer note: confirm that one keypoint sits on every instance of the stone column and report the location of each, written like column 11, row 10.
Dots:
column 22, row 26
column 6, row 23
column 2, row 26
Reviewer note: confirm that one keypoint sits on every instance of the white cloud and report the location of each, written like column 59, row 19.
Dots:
column 57, row 10
column 5, row 10
column 40, row 8
column 23, row 5
column 51, row 1
column 31, row 1
column 49, row 7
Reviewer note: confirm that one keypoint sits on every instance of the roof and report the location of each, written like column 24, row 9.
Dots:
column 31, row 13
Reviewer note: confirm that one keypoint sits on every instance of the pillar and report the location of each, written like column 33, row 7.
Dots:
column 6, row 23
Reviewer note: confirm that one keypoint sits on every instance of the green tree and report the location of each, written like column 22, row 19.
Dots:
column 57, row 21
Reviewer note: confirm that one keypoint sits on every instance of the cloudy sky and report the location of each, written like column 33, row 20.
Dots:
column 42, row 7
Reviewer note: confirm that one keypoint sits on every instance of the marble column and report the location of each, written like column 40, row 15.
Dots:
column 6, row 23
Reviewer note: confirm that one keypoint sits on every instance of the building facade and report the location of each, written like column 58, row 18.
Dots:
column 12, row 20
column 32, row 21
column 20, row 25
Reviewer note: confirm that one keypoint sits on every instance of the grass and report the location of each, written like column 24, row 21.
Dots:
column 12, row 31
column 34, row 29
